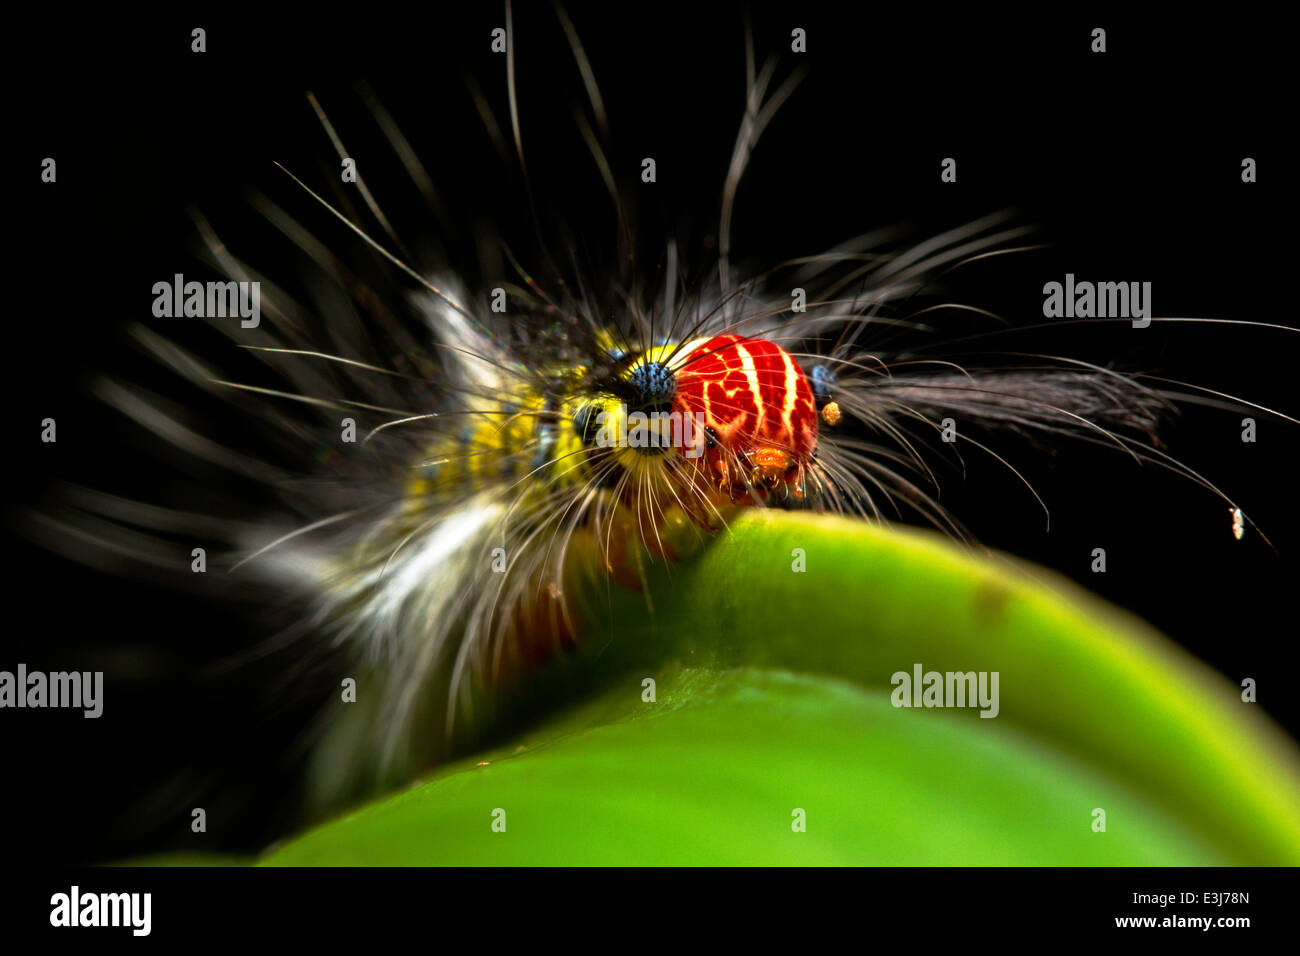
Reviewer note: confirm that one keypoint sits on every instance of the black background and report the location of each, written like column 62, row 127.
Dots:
column 1129, row 162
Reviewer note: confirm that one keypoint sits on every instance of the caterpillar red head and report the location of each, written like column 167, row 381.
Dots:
column 759, row 415
column 707, row 423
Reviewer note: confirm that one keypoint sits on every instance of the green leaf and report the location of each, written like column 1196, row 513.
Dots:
column 773, row 694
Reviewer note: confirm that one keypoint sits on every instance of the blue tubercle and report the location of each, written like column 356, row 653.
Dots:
column 823, row 383
column 654, row 382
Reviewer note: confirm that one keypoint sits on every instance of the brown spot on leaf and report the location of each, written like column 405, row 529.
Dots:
column 990, row 600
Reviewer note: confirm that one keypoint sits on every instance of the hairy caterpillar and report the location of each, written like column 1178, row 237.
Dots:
column 434, row 551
